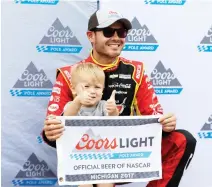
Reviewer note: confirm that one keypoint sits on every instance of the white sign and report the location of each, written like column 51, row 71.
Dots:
column 109, row 149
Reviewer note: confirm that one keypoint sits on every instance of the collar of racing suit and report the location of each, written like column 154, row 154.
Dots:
column 105, row 67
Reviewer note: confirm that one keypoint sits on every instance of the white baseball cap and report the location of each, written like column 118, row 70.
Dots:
column 103, row 18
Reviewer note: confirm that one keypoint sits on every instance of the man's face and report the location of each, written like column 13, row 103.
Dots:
column 108, row 46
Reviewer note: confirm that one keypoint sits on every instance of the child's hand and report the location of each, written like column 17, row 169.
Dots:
column 84, row 97
column 111, row 105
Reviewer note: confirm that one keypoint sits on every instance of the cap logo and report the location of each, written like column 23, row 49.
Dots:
column 113, row 15
column 112, row 12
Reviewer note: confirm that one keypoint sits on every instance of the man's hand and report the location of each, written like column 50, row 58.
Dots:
column 53, row 128
column 168, row 122
column 111, row 105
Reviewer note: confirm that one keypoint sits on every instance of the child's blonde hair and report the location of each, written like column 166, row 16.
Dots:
column 87, row 70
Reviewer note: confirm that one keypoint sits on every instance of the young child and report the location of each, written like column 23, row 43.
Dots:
column 87, row 84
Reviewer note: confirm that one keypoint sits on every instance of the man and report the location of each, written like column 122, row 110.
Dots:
column 107, row 31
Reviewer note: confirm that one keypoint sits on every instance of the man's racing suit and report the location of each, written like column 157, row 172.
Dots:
column 134, row 95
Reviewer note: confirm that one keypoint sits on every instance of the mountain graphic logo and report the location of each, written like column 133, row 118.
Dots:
column 35, row 173
column 91, row 134
column 59, row 39
column 32, row 83
column 206, row 43
column 206, row 130
column 164, row 80
column 38, row 2
column 165, row 2
column 140, row 38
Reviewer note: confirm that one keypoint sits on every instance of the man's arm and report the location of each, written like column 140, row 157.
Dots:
column 61, row 94
column 146, row 102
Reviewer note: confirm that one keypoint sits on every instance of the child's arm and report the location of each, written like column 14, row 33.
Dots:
column 72, row 108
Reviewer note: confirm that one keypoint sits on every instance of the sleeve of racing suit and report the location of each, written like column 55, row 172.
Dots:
column 61, row 94
column 146, row 100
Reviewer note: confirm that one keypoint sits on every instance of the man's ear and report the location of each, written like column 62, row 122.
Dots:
column 91, row 36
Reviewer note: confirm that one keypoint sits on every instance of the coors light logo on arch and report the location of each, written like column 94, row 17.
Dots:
column 35, row 172
column 164, row 80
column 206, row 130
column 206, row 43
column 32, row 83
column 59, row 39
column 140, row 38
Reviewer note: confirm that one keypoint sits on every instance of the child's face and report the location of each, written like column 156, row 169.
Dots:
column 94, row 88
